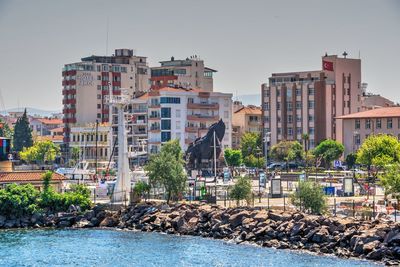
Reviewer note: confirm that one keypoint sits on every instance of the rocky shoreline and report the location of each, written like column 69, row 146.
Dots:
column 377, row 240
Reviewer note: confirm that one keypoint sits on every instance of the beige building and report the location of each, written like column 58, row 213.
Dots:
column 245, row 119
column 372, row 101
column 84, row 138
column 294, row 103
column 87, row 83
column 187, row 73
column 358, row 126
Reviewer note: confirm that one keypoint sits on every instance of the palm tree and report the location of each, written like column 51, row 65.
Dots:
column 306, row 138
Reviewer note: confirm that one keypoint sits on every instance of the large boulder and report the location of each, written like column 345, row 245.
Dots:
column 2, row 220
column 236, row 219
column 321, row 235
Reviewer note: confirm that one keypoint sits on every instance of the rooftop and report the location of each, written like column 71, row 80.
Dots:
column 50, row 121
column 27, row 176
column 251, row 110
column 388, row 112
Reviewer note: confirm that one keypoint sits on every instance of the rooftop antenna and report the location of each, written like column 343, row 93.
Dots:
column 107, row 37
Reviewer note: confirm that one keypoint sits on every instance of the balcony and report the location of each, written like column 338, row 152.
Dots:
column 152, row 117
column 140, row 133
column 200, row 117
column 191, row 129
column 211, row 106
column 139, row 111
column 154, row 130
column 154, row 105
column 139, row 122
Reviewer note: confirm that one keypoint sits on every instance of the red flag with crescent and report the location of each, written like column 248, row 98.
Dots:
column 327, row 65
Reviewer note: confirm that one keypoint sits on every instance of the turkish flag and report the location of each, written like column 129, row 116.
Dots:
column 326, row 65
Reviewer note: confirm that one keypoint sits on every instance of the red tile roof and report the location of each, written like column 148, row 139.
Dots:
column 250, row 110
column 50, row 121
column 388, row 112
column 27, row 176
column 58, row 130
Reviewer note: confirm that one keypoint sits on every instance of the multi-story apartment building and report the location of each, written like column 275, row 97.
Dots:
column 186, row 114
column 294, row 103
column 246, row 119
column 43, row 126
column 358, row 126
column 187, row 73
column 86, row 83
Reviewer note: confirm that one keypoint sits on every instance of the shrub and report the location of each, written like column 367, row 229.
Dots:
column 241, row 190
column 18, row 200
column 310, row 197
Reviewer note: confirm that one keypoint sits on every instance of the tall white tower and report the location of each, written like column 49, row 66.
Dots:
column 123, row 184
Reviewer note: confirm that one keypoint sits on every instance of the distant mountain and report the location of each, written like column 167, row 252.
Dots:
column 32, row 111
column 254, row 99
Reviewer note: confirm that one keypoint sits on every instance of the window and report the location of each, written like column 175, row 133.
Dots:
column 311, row 130
column 98, row 105
column 170, row 100
column 357, row 139
column 98, row 96
column 357, row 124
column 154, row 102
column 348, row 91
column 298, row 92
column 165, row 136
column 289, row 106
column 98, row 87
column 278, row 105
column 290, row 131
column 299, row 131
column 311, row 104
column 367, row 124
column 311, row 91
column 289, row 118
column 289, row 93
column 378, row 123
column 266, row 106
column 390, row 123
column 310, row 118
column 279, row 131
column 178, row 125
column 298, row 104
column 298, row 118
column 165, row 112
column 178, row 113
column 278, row 92
column 165, row 124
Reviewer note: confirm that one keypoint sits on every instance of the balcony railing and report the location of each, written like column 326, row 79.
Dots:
column 200, row 117
column 203, row 105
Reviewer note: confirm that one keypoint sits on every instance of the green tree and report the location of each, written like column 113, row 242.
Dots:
column 241, row 190
column 329, row 150
column 351, row 160
column 22, row 133
column 309, row 197
column 41, row 152
column 250, row 144
column 378, row 151
column 5, row 130
column 390, row 180
column 75, row 155
column 141, row 189
column 233, row 157
column 254, row 161
column 287, row 151
column 166, row 168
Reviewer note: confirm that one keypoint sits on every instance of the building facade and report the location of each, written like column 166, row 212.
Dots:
column 44, row 126
column 84, row 139
column 246, row 119
column 372, row 101
column 358, row 126
column 87, row 83
column 186, row 114
column 188, row 73
column 295, row 103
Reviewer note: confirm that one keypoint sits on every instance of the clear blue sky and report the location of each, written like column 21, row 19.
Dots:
column 244, row 40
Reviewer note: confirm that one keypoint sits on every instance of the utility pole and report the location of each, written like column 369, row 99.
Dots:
column 97, row 138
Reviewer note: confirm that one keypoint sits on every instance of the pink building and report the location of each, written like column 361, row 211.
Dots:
column 295, row 103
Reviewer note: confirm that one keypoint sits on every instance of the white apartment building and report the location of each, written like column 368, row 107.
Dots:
column 186, row 114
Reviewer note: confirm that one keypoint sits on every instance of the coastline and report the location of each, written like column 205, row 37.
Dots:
column 377, row 240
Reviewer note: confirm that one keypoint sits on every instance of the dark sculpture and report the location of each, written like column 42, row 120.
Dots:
column 203, row 147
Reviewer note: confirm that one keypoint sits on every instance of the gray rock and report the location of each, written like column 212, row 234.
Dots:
column 2, row 220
